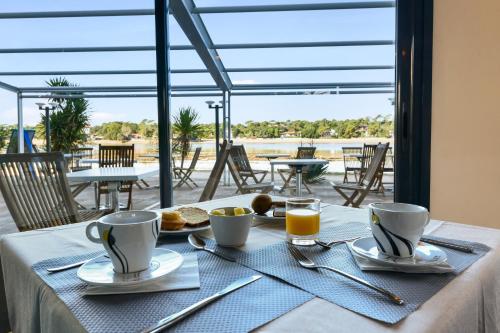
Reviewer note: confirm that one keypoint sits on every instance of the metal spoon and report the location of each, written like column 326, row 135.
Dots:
column 198, row 243
column 69, row 266
column 330, row 244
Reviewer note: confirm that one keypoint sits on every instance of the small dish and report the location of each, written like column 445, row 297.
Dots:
column 229, row 229
column 100, row 272
column 425, row 254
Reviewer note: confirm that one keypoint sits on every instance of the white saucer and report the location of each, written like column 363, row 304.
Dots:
column 99, row 271
column 425, row 254
column 184, row 231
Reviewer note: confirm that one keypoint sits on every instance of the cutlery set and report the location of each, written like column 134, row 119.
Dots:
column 305, row 262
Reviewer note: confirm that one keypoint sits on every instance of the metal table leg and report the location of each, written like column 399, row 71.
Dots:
column 298, row 179
column 272, row 170
column 113, row 191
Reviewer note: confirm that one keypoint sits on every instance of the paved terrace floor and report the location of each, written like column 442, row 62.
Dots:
column 144, row 198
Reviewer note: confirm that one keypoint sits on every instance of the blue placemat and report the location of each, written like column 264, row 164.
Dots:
column 240, row 311
column 415, row 289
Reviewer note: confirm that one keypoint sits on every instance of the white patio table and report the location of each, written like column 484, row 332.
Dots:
column 272, row 157
column 113, row 176
column 298, row 164
column 469, row 303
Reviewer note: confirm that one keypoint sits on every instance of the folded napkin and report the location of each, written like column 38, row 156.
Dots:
column 369, row 265
column 186, row 277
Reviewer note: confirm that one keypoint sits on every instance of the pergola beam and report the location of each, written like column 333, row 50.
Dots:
column 75, row 96
column 325, row 85
column 201, row 70
column 196, row 32
column 9, row 87
column 241, row 93
column 312, row 92
column 115, row 89
column 77, row 13
column 210, row 46
column 294, row 7
column 201, row 10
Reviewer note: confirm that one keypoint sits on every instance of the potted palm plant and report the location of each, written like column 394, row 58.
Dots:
column 186, row 128
column 69, row 120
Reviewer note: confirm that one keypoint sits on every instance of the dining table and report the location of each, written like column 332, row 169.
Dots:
column 298, row 165
column 113, row 176
column 469, row 303
column 272, row 156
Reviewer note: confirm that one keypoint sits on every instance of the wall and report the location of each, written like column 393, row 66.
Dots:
column 465, row 167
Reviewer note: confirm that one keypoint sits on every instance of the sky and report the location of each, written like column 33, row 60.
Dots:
column 366, row 24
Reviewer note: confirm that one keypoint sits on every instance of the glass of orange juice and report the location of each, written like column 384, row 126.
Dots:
column 302, row 220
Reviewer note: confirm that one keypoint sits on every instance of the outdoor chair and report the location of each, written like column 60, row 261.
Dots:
column 37, row 193
column 184, row 174
column 78, row 154
column 351, row 162
column 29, row 147
column 362, row 188
column 216, row 173
column 240, row 179
column 113, row 157
column 368, row 153
column 241, row 162
column 289, row 173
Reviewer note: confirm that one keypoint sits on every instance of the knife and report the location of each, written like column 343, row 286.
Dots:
column 176, row 317
column 462, row 248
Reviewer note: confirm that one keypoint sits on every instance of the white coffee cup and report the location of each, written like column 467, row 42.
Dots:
column 230, row 230
column 128, row 237
column 397, row 227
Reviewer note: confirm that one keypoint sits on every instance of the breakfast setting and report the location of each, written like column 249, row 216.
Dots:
column 179, row 268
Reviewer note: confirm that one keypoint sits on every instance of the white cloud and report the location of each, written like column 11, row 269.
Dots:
column 101, row 117
column 31, row 116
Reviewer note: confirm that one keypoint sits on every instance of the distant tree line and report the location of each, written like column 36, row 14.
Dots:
column 122, row 130
column 379, row 126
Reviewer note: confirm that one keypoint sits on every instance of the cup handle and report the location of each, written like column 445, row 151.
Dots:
column 91, row 237
column 428, row 219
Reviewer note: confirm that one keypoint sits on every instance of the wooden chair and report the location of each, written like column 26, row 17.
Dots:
column 302, row 153
column 368, row 153
column 367, row 156
column 77, row 154
column 362, row 188
column 185, row 173
column 216, row 173
column 113, row 157
column 240, row 180
column 241, row 162
column 37, row 192
column 351, row 163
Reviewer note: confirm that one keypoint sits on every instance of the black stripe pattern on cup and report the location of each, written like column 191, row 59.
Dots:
column 390, row 238
column 116, row 251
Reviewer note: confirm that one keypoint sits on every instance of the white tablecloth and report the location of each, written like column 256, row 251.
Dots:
column 470, row 303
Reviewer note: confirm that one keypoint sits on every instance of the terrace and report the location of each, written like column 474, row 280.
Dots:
column 189, row 20
column 220, row 231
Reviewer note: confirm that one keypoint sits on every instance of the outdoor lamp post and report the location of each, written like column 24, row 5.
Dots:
column 47, row 107
column 217, row 134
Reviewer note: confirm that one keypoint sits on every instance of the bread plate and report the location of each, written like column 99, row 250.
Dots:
column 196, row 220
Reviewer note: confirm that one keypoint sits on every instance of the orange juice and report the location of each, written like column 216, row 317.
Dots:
column 302, row 222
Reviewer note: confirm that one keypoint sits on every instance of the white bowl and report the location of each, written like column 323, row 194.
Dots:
column 230, row 230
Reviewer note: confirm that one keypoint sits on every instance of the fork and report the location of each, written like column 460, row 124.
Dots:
column 308, row 263
column 330, row 244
